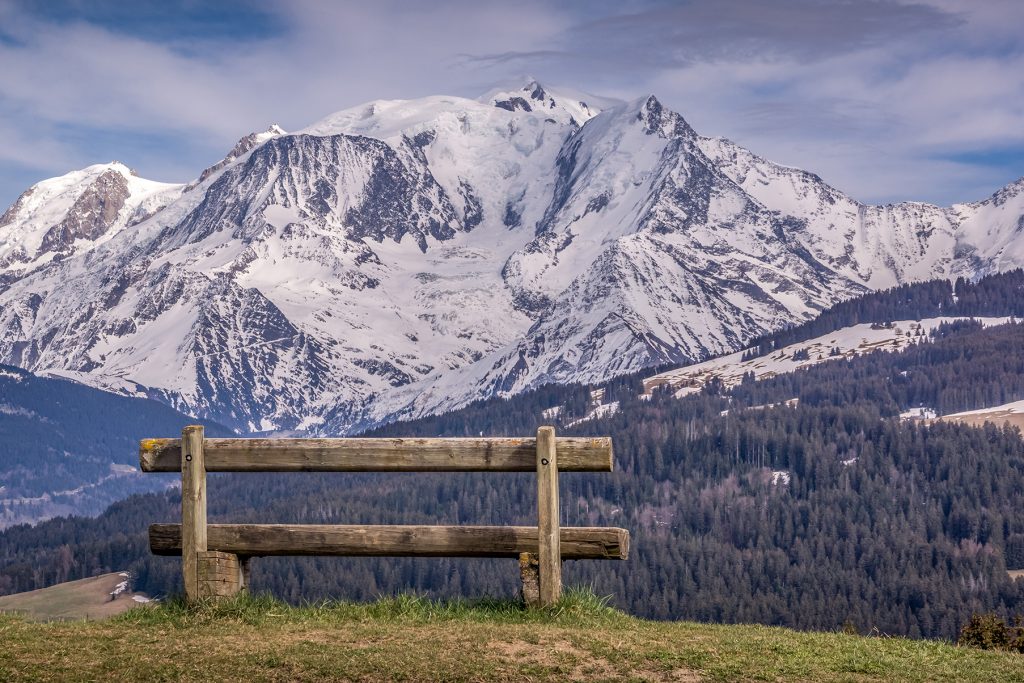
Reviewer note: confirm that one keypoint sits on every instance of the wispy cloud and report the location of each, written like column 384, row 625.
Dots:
column 684, row 33
column 885, row 99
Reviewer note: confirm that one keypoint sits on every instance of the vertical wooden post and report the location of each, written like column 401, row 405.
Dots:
column 193, row 507
column 550, row 552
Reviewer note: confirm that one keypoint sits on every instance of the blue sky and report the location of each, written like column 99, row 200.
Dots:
column 887, row 100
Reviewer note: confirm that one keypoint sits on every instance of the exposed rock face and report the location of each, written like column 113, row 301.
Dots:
column 91, row 216
column 405, row 257
column 241, row 148
column 70, row 215
column 392, row 192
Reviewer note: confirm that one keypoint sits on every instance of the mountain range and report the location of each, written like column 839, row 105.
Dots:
column 406, row 257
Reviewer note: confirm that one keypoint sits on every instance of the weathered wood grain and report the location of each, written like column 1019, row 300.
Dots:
column 219, row 575
column 575, row 454
column 193, row 507
column 549, row 553
column 577, row 543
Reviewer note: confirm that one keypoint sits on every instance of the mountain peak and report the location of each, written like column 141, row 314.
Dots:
column 120, row 167
column 659, row 120
column 242, row 147
column 1010, row 191
column 558, row 104
column 59, row 217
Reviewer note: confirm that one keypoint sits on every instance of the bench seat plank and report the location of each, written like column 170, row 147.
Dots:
column 577, row 543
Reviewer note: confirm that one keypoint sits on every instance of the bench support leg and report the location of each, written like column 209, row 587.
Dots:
column 193, row 507
column 549, row 536
column 219, row 575
column 529, row 572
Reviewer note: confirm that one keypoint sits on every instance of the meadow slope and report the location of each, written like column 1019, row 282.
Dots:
column 408, row 638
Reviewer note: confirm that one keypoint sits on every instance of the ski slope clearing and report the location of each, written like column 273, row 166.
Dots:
column 1008, row 413
column 97, row 597
column 848, row 342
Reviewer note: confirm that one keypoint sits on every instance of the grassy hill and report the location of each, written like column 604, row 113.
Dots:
column 407, row 638
column 91, row 598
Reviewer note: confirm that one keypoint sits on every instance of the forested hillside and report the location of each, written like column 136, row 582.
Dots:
column 67, row 448
column 812, row 516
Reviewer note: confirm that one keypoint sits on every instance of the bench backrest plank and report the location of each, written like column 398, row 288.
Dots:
column 575, row 454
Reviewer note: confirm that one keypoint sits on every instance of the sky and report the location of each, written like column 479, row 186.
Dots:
column 887, row 100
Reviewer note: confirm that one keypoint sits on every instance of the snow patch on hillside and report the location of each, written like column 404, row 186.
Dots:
column 1014, row 407
column 848, row 342
column 603, row 410
column 919, row 414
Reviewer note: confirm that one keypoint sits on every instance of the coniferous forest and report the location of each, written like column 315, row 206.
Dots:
column 827, row 512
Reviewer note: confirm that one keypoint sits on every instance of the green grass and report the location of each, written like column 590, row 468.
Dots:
column 412, row 638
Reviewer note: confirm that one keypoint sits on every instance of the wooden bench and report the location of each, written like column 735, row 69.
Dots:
column 215, row 557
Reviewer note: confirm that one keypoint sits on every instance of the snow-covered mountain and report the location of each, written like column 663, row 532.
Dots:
column 882, row 246
column 408, row 256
